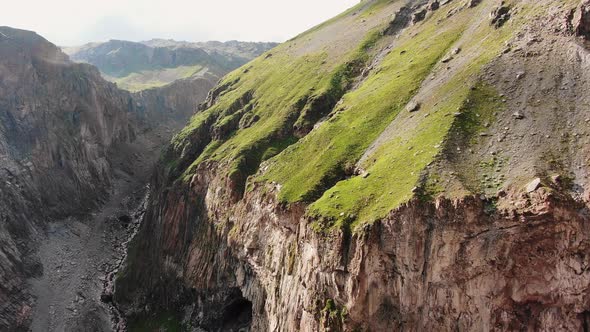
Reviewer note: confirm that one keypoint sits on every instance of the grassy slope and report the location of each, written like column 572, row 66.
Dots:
column 147, row 79
column 363, row 115
column 279, row 82
column 315, row 169
column 395, row 167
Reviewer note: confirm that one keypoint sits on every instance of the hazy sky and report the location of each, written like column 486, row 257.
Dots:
column 73, row 22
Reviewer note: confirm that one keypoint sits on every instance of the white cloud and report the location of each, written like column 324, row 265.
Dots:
column 71, row 22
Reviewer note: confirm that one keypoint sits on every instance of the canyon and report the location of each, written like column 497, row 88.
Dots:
column 407, row 165
column 76, row 154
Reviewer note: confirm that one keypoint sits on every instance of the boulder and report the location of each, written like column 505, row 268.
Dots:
column 413, row 106
column 518, row 115
column 533, row 185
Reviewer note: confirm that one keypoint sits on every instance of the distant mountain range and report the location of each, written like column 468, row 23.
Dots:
column 137, row 66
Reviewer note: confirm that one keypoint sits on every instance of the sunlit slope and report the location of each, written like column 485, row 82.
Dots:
column 327, row 116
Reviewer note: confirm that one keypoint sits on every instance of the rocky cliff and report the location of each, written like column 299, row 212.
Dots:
column 407, row 165
column 59, row 122
column 175, row 102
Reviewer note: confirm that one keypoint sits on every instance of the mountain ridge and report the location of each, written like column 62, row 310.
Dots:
column 139, row 65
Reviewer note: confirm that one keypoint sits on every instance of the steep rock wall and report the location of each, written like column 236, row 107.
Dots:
column 59, row 122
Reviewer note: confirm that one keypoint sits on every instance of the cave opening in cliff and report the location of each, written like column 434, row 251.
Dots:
column 237, row 315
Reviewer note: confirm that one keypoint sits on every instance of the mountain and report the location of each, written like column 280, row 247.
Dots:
column 232, row 48
column 406, row 165
column 138, row 66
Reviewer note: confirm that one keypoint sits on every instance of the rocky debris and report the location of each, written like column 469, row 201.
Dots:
column 520, row 75
column 533, row 185
column 419, row 15
column 500, row 15
column 449, row 57
column 413, row 106
column 80, row 119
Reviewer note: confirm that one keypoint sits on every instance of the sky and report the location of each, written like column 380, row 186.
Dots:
column 75, row 22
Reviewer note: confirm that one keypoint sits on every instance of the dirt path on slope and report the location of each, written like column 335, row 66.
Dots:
column 78, row 253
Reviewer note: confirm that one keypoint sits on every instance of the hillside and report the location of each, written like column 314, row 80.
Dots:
column 407, row 165
column 136, row 66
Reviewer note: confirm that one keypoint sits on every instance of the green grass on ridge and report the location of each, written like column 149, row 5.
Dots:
column 396, row 166
column 310, row 167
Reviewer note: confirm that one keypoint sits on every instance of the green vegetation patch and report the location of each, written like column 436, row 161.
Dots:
column 286, row 96
column 307, row 169
column 278, row 84
column 394, row 171
column 477, row 113
column 333, row 315
column 147, row 79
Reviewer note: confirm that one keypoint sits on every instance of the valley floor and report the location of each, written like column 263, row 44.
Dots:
column 77, row 254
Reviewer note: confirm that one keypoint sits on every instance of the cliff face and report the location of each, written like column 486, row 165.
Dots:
column 59, row 122
column 404, row 166
column 175, row 102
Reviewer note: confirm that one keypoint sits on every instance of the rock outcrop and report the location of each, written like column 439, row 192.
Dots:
column 174, row 103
